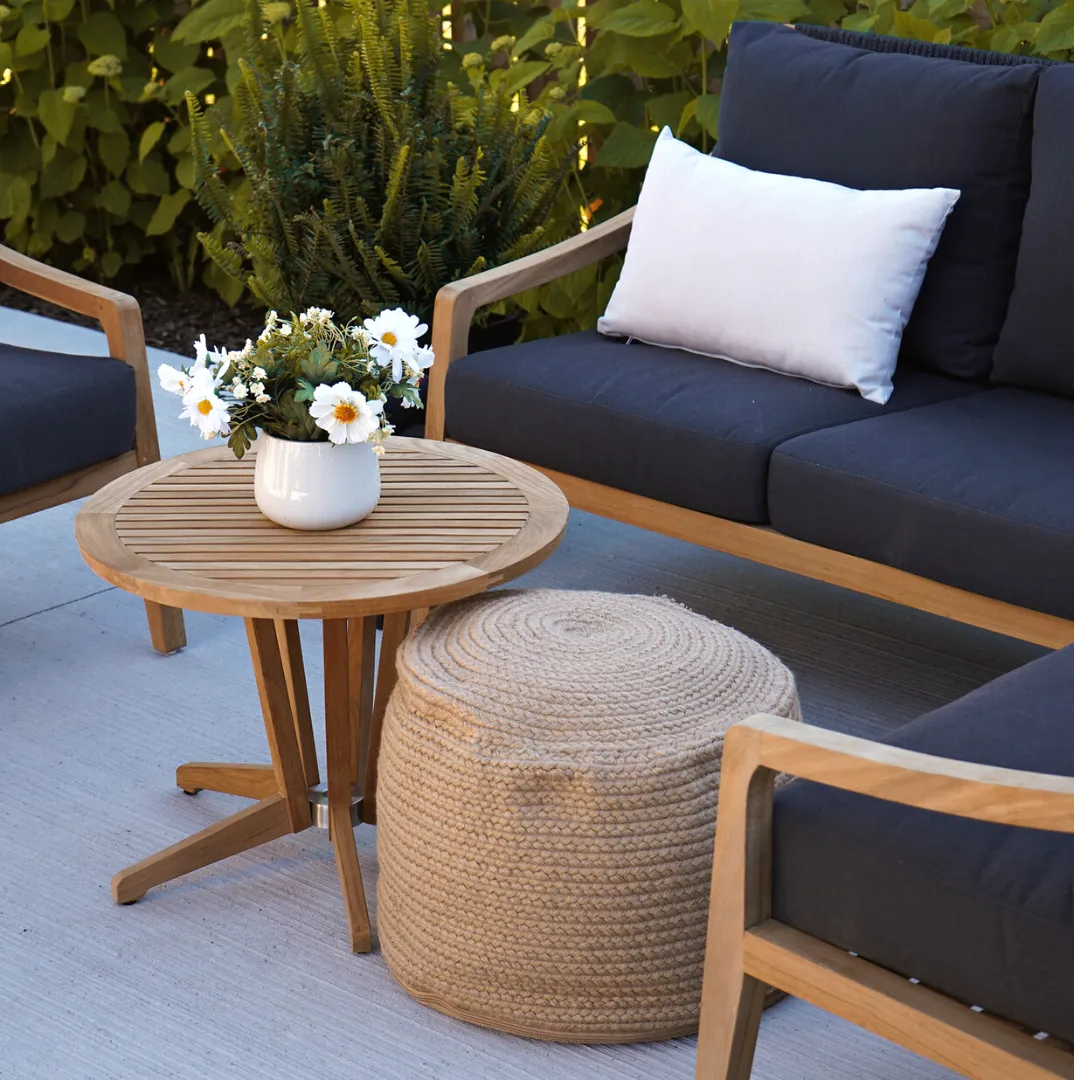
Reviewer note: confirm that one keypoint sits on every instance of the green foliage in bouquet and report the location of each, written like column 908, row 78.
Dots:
column 369, row 181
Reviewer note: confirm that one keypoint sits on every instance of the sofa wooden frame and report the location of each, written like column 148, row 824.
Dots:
column 457, row 303
column 119, row 316
column 747, row 951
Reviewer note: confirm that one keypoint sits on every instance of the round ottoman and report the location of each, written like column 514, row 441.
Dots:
column 547, row 805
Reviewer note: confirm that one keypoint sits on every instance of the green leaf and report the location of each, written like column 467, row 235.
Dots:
column 168, row 210
column 103, row 34
column 57, row 10
column 906, row 25
column 1055, row 31
column 111, row 262
column 707, row 112
column 114, row 149
column 56, row 114
column 519, row 75
column 71, row 226
column 318, row 366
column 115, row 198
column 185, row 171
column 210, row 20
column 585, row 111
column 62, row 175
column 173, row 55
column 666, row 109
column 541, row 30
column 16, row 198
column 711, row 18
column 150, row 138
column 193, row 79
column 642, row 18
column 773, row 10
column 655, row 57
column 626, row 147
column 31, row 39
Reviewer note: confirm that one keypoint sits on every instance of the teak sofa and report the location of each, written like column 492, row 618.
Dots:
column 943, row 854
column 70, row 424
column 955, row 497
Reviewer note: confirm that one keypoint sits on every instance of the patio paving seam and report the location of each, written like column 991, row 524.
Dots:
column 65, row 603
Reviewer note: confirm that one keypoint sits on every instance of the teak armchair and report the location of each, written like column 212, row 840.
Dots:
column 119, row 316
column 747, row 950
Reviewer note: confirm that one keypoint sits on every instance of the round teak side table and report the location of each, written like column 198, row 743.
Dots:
column 452, row 521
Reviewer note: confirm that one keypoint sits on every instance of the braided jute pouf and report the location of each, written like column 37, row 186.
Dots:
column 547, row 805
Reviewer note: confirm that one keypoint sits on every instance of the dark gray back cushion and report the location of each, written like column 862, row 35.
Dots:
column 796, row 105
column 1036, row 345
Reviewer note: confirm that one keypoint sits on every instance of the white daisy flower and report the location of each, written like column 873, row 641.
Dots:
column 204, row 408
column 394, row 336
column 424, row 358
column 344, row 413
column 174, row 380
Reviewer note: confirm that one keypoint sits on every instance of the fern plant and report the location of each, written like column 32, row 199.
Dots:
column 369, row 180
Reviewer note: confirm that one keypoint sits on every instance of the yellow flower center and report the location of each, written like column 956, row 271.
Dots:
column 345, row 413
column 205, row 406
column 389, row 338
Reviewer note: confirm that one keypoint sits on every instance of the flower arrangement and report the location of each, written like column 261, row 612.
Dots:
column 306, row 379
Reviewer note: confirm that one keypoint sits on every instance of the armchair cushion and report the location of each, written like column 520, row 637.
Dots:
column 60, row 413
column 975, row 492
column 796, row 105
column 980, row 911
column 689, row 430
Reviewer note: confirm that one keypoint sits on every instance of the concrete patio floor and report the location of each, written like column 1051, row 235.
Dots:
column 242, row 970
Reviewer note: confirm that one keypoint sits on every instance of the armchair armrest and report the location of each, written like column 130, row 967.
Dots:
column 457, row 302
column 981, row 792
column 119, row 316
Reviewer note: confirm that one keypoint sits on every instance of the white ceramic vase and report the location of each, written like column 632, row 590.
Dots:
column 315, row 485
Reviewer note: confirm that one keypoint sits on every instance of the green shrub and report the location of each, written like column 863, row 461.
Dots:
column 369, row 182
column 95, row 162
column 614, row 72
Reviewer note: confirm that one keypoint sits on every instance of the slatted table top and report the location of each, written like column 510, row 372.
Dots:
column 451, row 521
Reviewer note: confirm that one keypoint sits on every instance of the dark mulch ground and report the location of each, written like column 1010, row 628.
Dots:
column 171, row 320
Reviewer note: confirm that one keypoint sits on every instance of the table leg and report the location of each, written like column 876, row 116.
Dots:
column 361, row 686
column 395, row 627
column 266, row 820
column 166, row 627
column 288, row 636
column 282, row 786
column 342, row 737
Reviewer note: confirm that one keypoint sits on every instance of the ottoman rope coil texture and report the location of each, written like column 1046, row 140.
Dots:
column 547, row 806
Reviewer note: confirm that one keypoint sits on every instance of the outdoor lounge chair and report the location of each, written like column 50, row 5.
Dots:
column 70, row 424
column 943, row 854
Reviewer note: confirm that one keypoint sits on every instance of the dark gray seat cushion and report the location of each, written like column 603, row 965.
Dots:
column 976, row 492
column 1035, row 349
column 59, row 413
column 686, row 429
column 796, row 105
column 979, row 911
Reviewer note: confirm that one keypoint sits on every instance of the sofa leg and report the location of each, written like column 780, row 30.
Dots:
column 166, row 627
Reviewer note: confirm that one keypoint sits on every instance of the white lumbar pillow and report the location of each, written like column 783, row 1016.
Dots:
column 799, row 276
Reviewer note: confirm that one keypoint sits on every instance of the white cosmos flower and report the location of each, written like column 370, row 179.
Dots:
column 204, row 408
column 394, row 337
column 424, row 358
column 344, row 413
column 174, row 380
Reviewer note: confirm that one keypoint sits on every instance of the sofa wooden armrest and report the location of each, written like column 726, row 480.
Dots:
column 120, row 318
column 747, row 950
column 456, row 303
